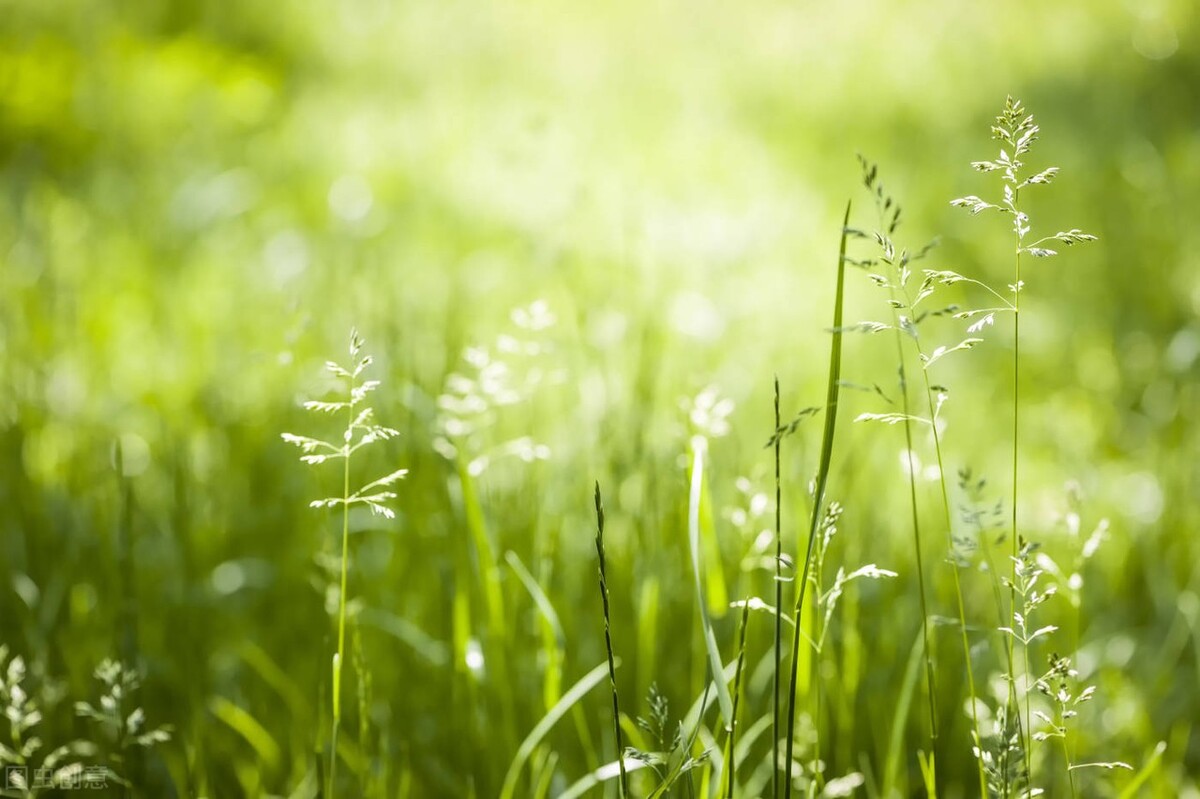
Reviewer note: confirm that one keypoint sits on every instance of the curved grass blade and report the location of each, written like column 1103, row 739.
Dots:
column 831, row 406
column 710, row 638
column 602, row 774
column 525, row 750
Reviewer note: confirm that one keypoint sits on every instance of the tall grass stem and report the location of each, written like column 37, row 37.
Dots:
column 831, row 407
column 623, row 784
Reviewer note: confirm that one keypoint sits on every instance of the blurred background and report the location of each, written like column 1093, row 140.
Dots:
column 200, row 199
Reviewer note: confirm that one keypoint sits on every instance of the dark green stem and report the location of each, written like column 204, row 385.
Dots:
column 778, row 605
column 737, row 682
column 623, row 785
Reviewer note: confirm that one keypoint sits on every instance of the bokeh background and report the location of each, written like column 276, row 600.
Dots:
column 200, row 199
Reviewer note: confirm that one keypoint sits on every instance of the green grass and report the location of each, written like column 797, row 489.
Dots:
column 833, row 391
column 579, row 244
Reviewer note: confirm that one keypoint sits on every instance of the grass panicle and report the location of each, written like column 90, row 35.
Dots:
column 910, row 309
column 360, row 431
column 1017, row 132
column 905, row 321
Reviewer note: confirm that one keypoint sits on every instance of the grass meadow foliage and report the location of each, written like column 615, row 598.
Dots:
column 731, row 508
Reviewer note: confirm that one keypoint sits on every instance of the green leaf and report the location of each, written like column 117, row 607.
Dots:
column 1151, row 765
column 249, row 728
column 832, row 393
column 1109, row 765
column 603, row 774
column 525, row 750
column 710, row 639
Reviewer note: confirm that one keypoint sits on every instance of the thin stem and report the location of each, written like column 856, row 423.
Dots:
column 1015, row 462
column 819, row 618
column 778, row 605
column 1028, row 716
column 958, row 592
column 912, row 489
column 916, row 520
column 341, row 647
column 992, row 291
column 623, row 785
column 1067, row 754
column 737, row 682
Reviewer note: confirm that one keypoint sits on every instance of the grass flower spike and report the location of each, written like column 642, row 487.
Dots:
column 360, row 431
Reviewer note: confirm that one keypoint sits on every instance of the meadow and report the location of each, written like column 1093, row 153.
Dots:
column 445, row 400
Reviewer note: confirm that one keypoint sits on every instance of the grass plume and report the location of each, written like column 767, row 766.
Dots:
column 1016, row 131
column 360, row 431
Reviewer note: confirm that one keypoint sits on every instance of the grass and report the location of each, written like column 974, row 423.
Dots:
column 832, row 393
column 462, row 598
column 906, row 322
column 1016, row 131
column 361, row 431
column 612, row 661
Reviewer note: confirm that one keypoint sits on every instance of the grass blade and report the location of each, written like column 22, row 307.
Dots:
column 710, row 639
column 553, row 636
column 831, row 406
column 576, row 692
column 737, row 681
column 602, row 774
column 1131, row 790
column 908, row 687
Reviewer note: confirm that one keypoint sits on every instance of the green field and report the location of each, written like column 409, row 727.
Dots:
column 595, row 248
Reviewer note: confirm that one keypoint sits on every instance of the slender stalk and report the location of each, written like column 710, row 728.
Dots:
column 778, row 606
column 819, row 629
column 127, row 615
column 1016, row 403
column 831, row 406
column 916, row 522
column 1015, row 127
column 623, row 784
column 1067, row 754
column 882, row 205
column 958, row 592
column 737, row 683
column 339, row 657
column 930, row 682
column 315, row 451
